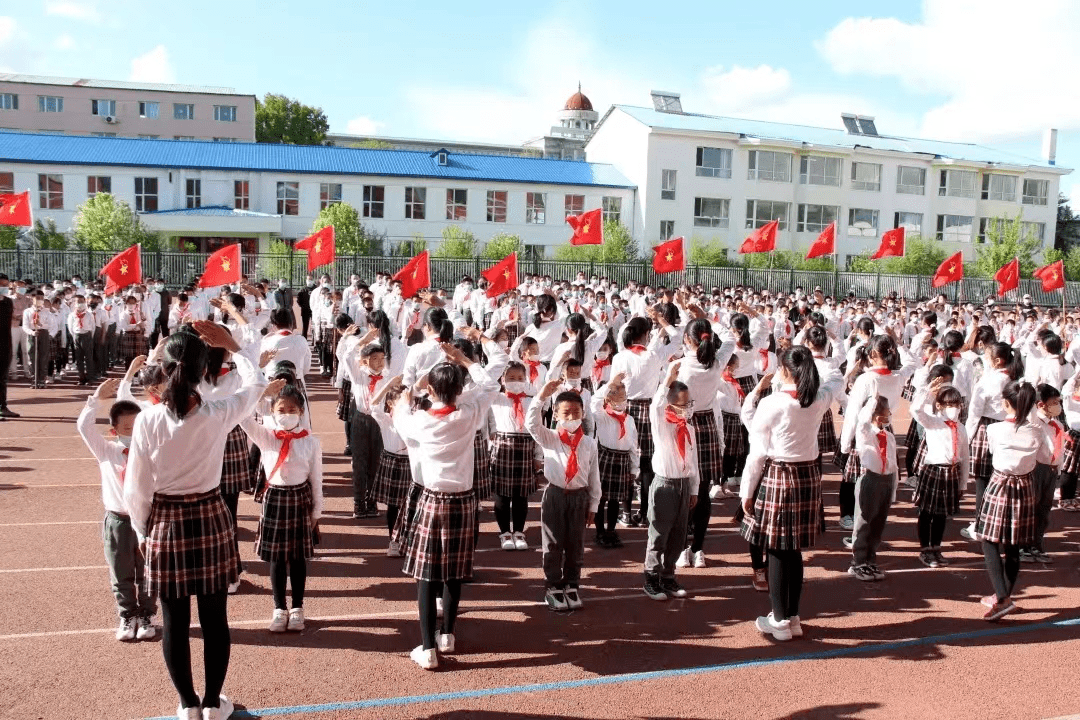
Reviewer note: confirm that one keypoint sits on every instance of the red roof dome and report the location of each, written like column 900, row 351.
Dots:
column 578, row 101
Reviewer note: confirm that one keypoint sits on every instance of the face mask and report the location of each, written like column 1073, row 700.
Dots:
column 602, row 354
column 570, row 426
column 125, row 440
column 20, row 290
column 573, row 383
column 159, row 287
column 282, row 285
column 515, row 387
column 618, row 406
column 684, row 413
column 951, row 413
column 4, row 291
column 504, row 345
column 311, row 283
column 78, row 283
column 287, row 421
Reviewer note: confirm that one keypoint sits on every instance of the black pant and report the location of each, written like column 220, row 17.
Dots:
column 511, row 510
column 40, row 354
column 5, row 362
column 1068, row 481
column 426, row 593
column 391, row 517
column 232, row 501
column 161, row 329
column 1002, row 575
column 847, row 499
column 757, row 557
column 785, row 582
column 607, row 515
column 296, row 570
column 84, row 356
column 367, row 447
column 980, row 490
column 699, row 517
column 931, row 529
column 176, row 645
column 305, row 319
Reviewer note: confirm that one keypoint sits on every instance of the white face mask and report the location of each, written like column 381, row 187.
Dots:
column 515, row 387
column 618, row 406
column 287, row 421
column 602, row 354
column 951, row 413
column 574, row 383
column 125, row 440
column 570, row 426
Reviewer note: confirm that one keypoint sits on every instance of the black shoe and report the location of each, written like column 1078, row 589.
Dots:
column 614, row 541
column 672, row 588
column 359, row 512
column 4, row 412
column 601, row 539
column 348, row 450
column 636, row 520
column 652, row 588
column 624, row 519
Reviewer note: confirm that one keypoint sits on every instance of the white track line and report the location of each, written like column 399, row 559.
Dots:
column 54, row 522
column 24, row 486
column 30, row 459
column 56, row 569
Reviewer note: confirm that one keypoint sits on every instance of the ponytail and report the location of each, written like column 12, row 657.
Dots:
column 817, row 338
column 700, row 331
column 184, row 364
column 929, row 319
column 545, row 305
column 799, row 363
column 436, row 319
column 885, row 347
column 741, row 325
column 1053, row 344
column 1021, row 395
column 635, row 330
column 379, row 320
column 954, row 340
column 577, row 324
column 215, row 360
column 1013, row 365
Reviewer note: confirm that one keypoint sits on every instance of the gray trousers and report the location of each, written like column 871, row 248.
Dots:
column 563, row 517
column 1043, row 484
column 126, row 568
column 873, row 496
column 40, row 354
column 669, row 513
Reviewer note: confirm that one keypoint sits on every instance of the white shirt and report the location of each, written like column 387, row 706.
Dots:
column 986, row 399
column 557, row 455
column 609, row 434
column 88, row 324
column 867, row 443
column 361, row 376
column 888, row 385
column 666, row 461
column 44, row 320
column 704, row 383
column 125, row 323
column 1071, row 403
column 641, row 370
column 1014, row 449
column 548, row 336
column 111, row 456
column 939, row 436
column 1054, row 453
column 392, row 441
column 502, row 417
column 304, row 463
column 420, row 359
column 290, row 346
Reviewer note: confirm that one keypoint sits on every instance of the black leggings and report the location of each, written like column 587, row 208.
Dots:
column 296, row 569
column 1002, row 575
column 1068, row 486
column 426, row 593
column 645, row 476
column 176, row 646
column 391, row 517
column 931, row 529
column 699, row 517
column 511, row 509
column 757, row 557
column 232, row 502
column 847, row 499
column 785, row 582
column 607, row 515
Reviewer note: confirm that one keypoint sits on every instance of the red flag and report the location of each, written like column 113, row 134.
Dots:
column 502, row 277
column 825, row 243
column 761, row 240
column 1008, row 277
column 123, row 270
column 222, row 268
column 320, row 248
column 668, row 256
column 415, row 276
column 588, row 228
column 15, row 209
column 1052, row 276
column 892, row 245
column 952, row 270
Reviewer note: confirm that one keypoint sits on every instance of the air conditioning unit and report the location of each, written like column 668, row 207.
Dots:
column 110, row 119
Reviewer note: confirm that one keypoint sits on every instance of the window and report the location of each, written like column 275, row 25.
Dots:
column 103, row 107
column 817, row 170
column 225, row 113
column 574, row 205
column 713, row 162
column 533, row 252
column 911, row 180
column 146, row 194
column 225, row 139
column 7, row 183
column 415, row 203
column 330, row 193
column 767, row 165
column 865, row 176
column 496, row 206
column 456, row 200
column 954, row 228
column 241, row 195
column 815, row 218
column 862, row 222
column 149, row 110
column 193, row 192
column 102, row 134
column 711, row 212
column 911, row 222
column 535, row 208
column 51, row 192
column 98, row 184
column 957, row 183
column 611, row 209
column 50, row 103
column 996, row 226
column 999, row 187
column 9, row 101
column 288, row 198
column 183, row 111
column 763, row 212
column 149, row 137
column 667, row 229
column 1035, row 192
column 374, row 197
column 1033, row 230
column 667, row 184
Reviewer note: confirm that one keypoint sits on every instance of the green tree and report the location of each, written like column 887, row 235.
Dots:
column 105, row 223
column 502, row 244
column 279, row 119
column 1070, row 260
column 619, row 247
column 922, row 256
column 413, row 246
column 372, row 144
column 1067, row 232
column 709, row 254
column 277, row 264
column 456, row 243
column 786, row 260
column 8, row 236
column 1005, row 240
column 350, row 237
column 46, row 237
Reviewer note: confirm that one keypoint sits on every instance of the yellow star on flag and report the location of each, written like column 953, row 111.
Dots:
column 123, row 268
column 1053, row 275
column 506, row 274
column 670, row 256
column 13, row 207
column 584, row 228
column 952, row 269
column 225, row 264
column 318, row 246
column 414, row 272
column 893, row 242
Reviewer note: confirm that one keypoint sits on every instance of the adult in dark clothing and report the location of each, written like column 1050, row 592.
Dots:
column 161, row 322
column 304, row 298
column 283, row 297
column 7, row 308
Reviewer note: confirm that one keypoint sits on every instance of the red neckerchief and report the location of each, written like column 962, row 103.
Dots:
column 223, row 372
column 764, row 361
column 132, row 316
column 373, row 380
column 956, row 356
column 442, row 411
column 883, row 448
column 682, row 432
column 572, row 441
column 123, row 468
column 598, row 370
column 637, row 349
column 1059, row 438
column 881, row 370
column 35, row 319
column 154, row 399
column 534, row 369
column 955, row 439
column 735, row 384
column 619, row 418
column 80, row 316
column 285, row 333
column 286, row 439
column 519, row 409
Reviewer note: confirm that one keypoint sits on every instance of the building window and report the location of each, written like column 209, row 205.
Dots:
column 954, row 228
column 103, row 107
column 102, row 134
column 374, row 197
column 148, row 137
column 713, row 162
column 862, row 222
column 330, row 193
column 183, row 111
column 574, row 205
column 415, row 203
column 1035, row 192
column 532, row 252
column 193, row 192
column 957, row 183
column 815, row 218
column 51, row 192
column 241, row 195
column 611, row 209
column 149, row 110
column 146, row 194
column 9, row 101
column 711, row 212
column 1033, row 230
column 456, row 200
column 999, row 187
column 535, row 208
column 763, row 212
column 225, row 113
column 911, row 222
column 667, row 229
column 667, row 184
column 496, row 206
column 50, row 103
column 225, row 139
column 288, row 198
column 7, row 183
column 98, row 184
column 183, row 137
column 768, row 165
column 865, row 176
column 818, row 170
column 911, row 180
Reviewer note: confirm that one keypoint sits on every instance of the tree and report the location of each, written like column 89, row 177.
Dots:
column 372, row 144
column 8, row 237
column 408, row 248
column 456, row 243
column 1070, row 260
column 787, row 260
column 502, row 244
column 1067, row 232
column 1005, row 240
column 105, row 223
column 708, row 254
column 45, row 236
column 619, row 247
column 278, row 263
column 922, row 256
column 279, row 119
column 350, row 237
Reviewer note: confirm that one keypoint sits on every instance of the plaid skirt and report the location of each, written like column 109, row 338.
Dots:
column 908, row 392
column 512, row 464
column 190, row 547
column 710, row 450
column 1070, row 462
column 615, row 480
column 285, row 526
column 736, row 437
column 392, row 479
column 442, row 539
column 937, row 489
column 1008, row 510
column 981, row 462
column 512, row 332
column 853, row 467
column 407, row 515
column 345, row 401
column 482, row 482
column 236, row 474
column 639, row 410
column 787, row 507
column 747, row 383
column 827, row 441
column 133, row 343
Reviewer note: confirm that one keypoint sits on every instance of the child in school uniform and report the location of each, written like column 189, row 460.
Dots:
column 394, row 476
column 81, row 326
column 729, row 398
column 513, row 453
column 132, row 327
column 876, row 488
column 618, row 458
column 134, row 604
column 365, row 368
column 569, row 377
column 1070, row 463
column 1047, row 467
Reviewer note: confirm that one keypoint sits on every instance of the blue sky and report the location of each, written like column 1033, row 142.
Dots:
column 989, row 71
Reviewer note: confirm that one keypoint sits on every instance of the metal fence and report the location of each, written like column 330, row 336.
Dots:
column 180, row 268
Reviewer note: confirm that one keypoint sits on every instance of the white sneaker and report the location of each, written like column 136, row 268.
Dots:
column 779, row 630
column 506, row 540
column 191, row 713
column 279, row 622
column 684, row 559
column 716, row 491
column 520, row 543
column 146, row 630
column 126, row 631
column 847, row 522
column 234, row 587
column 573, row 598
column 223, row 711
column 393, row 550
column 296, row 619
column 699, row 559
column 796, row 626
column 427, row 659
column 438, row 607
column 445, row 643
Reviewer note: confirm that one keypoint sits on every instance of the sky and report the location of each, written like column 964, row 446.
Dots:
column 996, row 72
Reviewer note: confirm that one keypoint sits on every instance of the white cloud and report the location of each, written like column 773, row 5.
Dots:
column 363, row 125
column 7, row 29
column 153, row 66
column 65, row 42
column 85, row 11
column 742, row 87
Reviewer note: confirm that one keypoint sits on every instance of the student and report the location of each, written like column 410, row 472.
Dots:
column 581, row 346
column 132, row 327
column 1070, row 464
column 350, row 337
column 134, row 604
column 876, row 488
column 1047, row 467
column 513, row 451
column 423, row 356
column 171, row 491
column 394, row 476
column 292, row 505
column 730, row 397
column 365, row 368
column 81, row 328
column 571, row 496
column 570, row 380
column 601, row 366
column 37, row 324
column 288, row 344
column 618, row 458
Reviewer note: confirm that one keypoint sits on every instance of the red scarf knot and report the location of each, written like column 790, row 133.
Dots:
column 534, row 369
column 764, row 361
column 735, row 384
column 1059, row 438
column 571, row 462
column 442, row 411
column 881, row 371
column 637, row 349
column 519, row 408
column 619, row 418
column 883, row 449
column 286, row 437
column 373, row 380
column 598, row 370
column 682, row 432
column 955, row 440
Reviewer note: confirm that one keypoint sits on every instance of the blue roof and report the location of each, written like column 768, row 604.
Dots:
column 316, row 159
column 211, row 211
